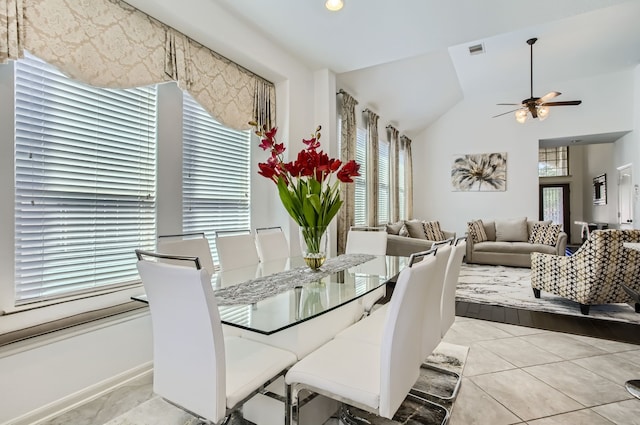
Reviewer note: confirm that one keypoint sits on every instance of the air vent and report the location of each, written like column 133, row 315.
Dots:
column 476, row 49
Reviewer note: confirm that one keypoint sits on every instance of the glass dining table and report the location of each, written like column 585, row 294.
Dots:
column 273, row 296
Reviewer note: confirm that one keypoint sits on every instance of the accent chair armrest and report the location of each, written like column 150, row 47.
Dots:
column 561, row 244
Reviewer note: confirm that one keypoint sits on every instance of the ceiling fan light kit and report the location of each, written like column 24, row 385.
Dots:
column 537, row 106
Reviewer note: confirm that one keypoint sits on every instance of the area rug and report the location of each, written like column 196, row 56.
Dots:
column 452, row 357
column 511, row 287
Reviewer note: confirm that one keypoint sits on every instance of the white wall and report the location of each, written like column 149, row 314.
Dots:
column 468, row 128
column 598, row 160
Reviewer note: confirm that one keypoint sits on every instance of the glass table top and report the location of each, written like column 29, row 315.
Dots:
column 276, row 312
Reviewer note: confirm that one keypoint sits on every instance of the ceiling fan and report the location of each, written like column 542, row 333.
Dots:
column 537, row 106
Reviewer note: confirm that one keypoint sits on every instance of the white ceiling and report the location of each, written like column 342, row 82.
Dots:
column 408, row 60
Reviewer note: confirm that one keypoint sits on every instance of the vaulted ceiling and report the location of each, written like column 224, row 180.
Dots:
column 409, row 60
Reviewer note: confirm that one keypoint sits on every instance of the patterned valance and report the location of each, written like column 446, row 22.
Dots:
column 107, row 43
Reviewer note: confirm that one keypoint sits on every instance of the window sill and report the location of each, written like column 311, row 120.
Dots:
column 68, row 322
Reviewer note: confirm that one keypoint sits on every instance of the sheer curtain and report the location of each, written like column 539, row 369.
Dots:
column 371, row 119
column 348, row 130
column 405, row 144
column 107, row 43
column 394, row 176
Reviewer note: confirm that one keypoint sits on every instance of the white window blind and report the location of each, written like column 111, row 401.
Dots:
column 361, row 181
column 383, row 182
column 84, row 183
column 216, row 174
column 402, row 198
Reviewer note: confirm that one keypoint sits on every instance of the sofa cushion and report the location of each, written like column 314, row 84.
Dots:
column 415, row 229
column 476, row 231
column 530, row 224
column 512, row 248
column 490, row 230
column 403, row 231
column 432, row 231
column 394, row 228
column 546, row 234
column 513, row 230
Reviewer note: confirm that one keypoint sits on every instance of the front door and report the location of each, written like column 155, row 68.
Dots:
column 554, row 205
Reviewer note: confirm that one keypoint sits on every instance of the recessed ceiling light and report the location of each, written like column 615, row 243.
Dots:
column 334, row 5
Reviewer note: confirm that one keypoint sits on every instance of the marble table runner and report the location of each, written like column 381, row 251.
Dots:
column 258, row 289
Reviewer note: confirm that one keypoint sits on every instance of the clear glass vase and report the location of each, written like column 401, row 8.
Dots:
column 313, row 243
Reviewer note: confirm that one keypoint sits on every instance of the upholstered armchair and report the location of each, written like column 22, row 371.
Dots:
column 593, row 274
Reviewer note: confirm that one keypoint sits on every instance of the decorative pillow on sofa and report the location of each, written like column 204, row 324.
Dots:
column 476, row 231
column 394, row 228
column 513, row 230
column 546, row 234
column 415, row 229
column 403, row 231
column 432, row 231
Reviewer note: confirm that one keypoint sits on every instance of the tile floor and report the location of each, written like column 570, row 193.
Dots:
column 513, row 375
column 521, row 375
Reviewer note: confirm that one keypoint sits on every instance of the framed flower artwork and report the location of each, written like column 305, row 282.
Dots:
column 481, row 172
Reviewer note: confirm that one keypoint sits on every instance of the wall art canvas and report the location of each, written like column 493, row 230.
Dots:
column 481, row 172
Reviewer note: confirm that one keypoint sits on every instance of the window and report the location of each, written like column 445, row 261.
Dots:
column 361, row 181
column 215, row 174
column 84, row 183
column 383, row 182
column 553, row 162
column 402, row 200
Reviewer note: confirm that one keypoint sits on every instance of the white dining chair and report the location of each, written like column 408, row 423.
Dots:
column 374, row 378
column 271, row 243
column 448, row 307
column 194, row 366
column 236, row 250
column 371, row 241
column 188, row 245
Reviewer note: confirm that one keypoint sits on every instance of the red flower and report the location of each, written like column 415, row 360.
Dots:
column 348, row 171
column 312, row 144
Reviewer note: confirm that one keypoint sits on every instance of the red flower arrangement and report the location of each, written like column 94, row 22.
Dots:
column 305, row 185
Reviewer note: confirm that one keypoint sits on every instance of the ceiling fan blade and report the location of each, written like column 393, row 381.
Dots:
column 565, row 103
column 548, row 97
column 509, row 104
column 505, row 113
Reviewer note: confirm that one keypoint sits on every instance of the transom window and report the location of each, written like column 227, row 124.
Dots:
column 553, row 162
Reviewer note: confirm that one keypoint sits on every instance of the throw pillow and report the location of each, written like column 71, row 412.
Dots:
column 432, row 231
column 513, row 230
column 542, row 233
column 415, row 228
column 476, row 231
column 403, row 231
column 394, row 228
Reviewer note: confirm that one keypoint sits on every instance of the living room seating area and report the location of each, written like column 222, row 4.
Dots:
column 510, row 242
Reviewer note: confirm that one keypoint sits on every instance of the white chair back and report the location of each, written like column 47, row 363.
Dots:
column 400, row 356
column 366, row 242
column 235, row 251
column 448, row 307
column 189, row 244
column 188, row 343
column 432, row 315
column 272, row 244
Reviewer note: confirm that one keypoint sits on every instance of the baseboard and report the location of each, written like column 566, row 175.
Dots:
column 86, row 395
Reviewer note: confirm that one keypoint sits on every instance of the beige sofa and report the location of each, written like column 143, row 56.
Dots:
column 510, row 242
column 406, row 237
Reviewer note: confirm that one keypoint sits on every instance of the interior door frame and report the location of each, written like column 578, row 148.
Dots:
column 566, row 197
column 627, row 168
